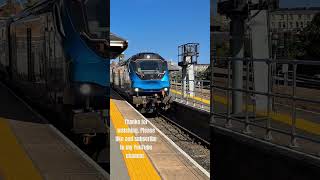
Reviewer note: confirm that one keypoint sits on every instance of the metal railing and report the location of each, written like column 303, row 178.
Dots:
column 291, row 118
column 197, row 97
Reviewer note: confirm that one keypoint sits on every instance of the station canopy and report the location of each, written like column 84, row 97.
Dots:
column 117, row 45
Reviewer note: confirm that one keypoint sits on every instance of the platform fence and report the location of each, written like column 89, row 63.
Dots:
column 291, row 117
column 197, row 97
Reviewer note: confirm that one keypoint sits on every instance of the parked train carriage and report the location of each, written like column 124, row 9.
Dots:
column 4, row 48
column 60, row 56
column 144, row 80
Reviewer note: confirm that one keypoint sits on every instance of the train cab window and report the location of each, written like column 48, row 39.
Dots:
column 90, row 17
column 96, row 11
column 156, row 66
column 91, row 21
column 148, row 69
column 77, row 15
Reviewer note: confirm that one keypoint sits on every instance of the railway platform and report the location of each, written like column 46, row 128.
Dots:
column 32, row 148
column 142, row 151
column 304, row 139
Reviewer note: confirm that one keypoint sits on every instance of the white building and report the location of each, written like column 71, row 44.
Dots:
column 292, row 19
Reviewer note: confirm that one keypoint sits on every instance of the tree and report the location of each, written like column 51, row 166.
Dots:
column 308, row 47
column 310, row 39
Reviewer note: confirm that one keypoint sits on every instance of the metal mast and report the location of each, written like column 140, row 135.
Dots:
column 188, row 56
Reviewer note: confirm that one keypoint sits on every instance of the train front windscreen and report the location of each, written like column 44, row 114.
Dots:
column 90, row 19
column 150, row 69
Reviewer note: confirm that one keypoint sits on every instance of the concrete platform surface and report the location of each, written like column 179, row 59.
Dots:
column 31, row 148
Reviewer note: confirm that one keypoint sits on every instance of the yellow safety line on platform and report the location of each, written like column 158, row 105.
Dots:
column 302, row 124
column 141, row 168
column 14, row 162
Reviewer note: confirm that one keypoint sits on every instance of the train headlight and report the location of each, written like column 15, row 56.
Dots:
column 136, row 89
column 165, row 89
column 85, row 89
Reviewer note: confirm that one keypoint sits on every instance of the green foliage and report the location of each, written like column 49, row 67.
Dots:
column 205, row 75
column 296, row 48
column 312, row 36
column 176, row 76
column 202, row 76
column 309, row 44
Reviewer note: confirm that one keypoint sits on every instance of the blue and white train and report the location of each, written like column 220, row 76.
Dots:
column 57, row 54
column 144, row 79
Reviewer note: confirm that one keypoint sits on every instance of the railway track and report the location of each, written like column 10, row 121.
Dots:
column 196, row 147
column 199, row 139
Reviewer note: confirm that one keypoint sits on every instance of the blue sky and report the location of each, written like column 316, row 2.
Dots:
column 162, row 25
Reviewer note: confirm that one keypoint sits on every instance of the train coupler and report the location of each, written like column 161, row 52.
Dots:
column 87, row 138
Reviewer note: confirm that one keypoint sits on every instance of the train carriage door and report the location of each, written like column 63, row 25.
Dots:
column 57, row 66
column 113, row 77
column 30, row 61
column 127, row 77
column 119, row 76
column 62, row 76
column 35, row 54
column 3, row 50
column 12, row 53
column 49, row 58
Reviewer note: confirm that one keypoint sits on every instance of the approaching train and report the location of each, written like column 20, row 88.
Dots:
column 144, row 80
column 56, row 53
